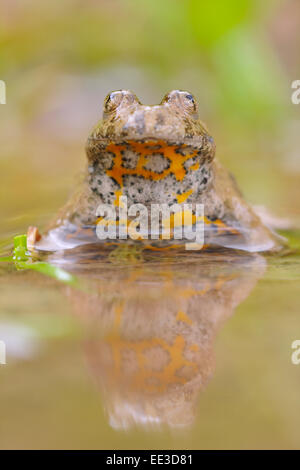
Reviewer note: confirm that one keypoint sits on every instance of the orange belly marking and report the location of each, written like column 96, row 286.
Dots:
column 144, row 150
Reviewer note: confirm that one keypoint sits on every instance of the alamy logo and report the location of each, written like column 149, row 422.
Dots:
column 295, row 97
column 159, row 222
column 2, row 353
column 295, row 357
column 2, row 92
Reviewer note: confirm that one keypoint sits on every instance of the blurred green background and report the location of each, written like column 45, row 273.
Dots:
column 60, row 58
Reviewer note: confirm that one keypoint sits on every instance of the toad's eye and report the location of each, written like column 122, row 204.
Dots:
column 117, row 98
column 183, row 100
column 190, row 98
column 112, row 101
column 188, row 102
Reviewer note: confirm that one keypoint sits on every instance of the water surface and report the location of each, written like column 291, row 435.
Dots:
column 152, row 351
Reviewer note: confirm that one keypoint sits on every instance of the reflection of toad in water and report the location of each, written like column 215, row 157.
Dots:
column 151, row 330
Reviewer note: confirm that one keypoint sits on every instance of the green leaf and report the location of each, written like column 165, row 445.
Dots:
column 22, row 260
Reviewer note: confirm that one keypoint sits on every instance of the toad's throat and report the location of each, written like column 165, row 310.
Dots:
column 151, row 160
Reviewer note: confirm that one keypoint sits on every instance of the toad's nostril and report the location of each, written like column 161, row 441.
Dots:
column 160, row 120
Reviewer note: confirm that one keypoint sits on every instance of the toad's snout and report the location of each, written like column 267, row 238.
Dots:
column 153, row 123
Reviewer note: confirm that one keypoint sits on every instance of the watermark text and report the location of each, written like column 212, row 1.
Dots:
column 295, row 357
column 295, row 97
column 2, row 353
column 157, row 222
column 2, row 92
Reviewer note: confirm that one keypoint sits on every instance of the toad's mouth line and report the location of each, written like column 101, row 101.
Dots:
column 169, row 140
column 149, row 139
column 145, row 146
